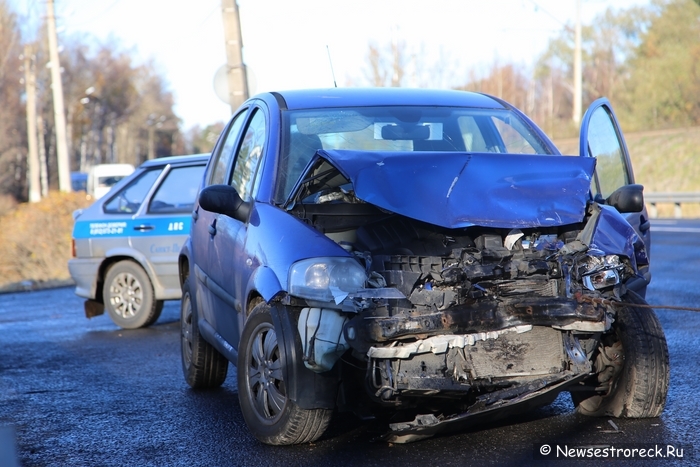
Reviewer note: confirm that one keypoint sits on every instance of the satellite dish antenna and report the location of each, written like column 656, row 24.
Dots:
column 221, row 83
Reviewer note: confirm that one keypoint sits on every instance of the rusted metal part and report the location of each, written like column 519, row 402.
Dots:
column 478, row 317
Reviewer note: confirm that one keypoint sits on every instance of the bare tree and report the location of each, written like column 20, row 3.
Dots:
column 13, row 147
column 508, row 82
column 395, row 64
column 121, row 112
column 388, row 66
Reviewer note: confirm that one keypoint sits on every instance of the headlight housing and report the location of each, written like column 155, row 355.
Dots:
column 601, row 279
column 600, row 271
column 326, row 279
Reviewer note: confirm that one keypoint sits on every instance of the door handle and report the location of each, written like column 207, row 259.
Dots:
column 212, row 228
column 644, row 226
column 195, row 214
column 143, row 227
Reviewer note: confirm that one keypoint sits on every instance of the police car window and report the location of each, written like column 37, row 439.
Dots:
column 178, row 191
column 249, row 156
column 223, row 158
column 129, row 199
column 110, row 180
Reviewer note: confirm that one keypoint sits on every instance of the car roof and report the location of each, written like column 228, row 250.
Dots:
column 161, row 161
column 110, row 169
column 368, row 97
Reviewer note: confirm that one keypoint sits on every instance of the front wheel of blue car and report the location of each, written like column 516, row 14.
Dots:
column 270, row 415
column 631, row 367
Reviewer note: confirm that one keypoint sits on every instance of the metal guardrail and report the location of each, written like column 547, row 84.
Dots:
column 677, row 198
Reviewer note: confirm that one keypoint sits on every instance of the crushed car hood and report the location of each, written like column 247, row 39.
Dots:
column 455, row 190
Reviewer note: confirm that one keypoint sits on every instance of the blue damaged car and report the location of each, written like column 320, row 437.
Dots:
column 428, row 253
column 126, row 244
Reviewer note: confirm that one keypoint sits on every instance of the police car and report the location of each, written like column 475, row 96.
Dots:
column 126, row 245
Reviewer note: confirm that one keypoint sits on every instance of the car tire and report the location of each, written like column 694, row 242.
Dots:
column 128, row 296
column 202, row 365
column 270, row 415
column 632, row 363
column 159, row 309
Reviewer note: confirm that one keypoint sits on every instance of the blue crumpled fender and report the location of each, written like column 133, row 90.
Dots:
column 265, row 282
column 609, row 231
column 275, row 241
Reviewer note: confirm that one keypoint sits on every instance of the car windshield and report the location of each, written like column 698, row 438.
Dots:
column 400, row 128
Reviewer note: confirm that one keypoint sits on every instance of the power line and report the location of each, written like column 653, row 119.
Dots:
column 99, row 15
column 539, row 7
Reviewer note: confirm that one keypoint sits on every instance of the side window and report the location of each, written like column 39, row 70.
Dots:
column 605, row 146
column 249, row 155
column 219, row 166
column 513, row 139
column 178, row 191
column 108, row 181
column 473, row 139
column 129, row 199
column 301, row 148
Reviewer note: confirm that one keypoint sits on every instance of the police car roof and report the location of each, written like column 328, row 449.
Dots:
column 160, row 161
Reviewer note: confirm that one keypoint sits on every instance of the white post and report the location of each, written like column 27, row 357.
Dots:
column 578, row 78
column 59, row 112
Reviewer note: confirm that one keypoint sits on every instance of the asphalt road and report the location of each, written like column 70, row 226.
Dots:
column 80, row 392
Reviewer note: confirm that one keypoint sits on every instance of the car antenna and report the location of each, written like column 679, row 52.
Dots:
column 331, row 62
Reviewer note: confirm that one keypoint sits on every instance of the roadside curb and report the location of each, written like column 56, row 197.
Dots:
column 32, row 285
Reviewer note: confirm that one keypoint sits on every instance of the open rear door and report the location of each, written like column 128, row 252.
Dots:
column 602, row 138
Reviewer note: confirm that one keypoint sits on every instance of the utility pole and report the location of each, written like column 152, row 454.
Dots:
column 59, row 112
column 578, row 79
column 237, row 76
column 33, row 156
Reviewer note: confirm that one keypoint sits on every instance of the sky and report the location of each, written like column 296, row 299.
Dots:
column 287, row 43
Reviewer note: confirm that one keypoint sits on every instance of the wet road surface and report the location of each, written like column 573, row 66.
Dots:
column 85, row 392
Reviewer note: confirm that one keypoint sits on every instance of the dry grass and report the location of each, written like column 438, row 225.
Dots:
column 7, row 204
column 35, row 239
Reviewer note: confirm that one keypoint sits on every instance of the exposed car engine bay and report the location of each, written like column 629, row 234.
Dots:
column 486, row 316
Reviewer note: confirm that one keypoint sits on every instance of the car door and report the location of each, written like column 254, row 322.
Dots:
column 209, row 294
column 163, row 223
column 113, row 236
column 602, row 138
column 231, row 266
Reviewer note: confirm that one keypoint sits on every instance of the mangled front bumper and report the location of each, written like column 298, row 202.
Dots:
column 488, row 408
column 474, row 360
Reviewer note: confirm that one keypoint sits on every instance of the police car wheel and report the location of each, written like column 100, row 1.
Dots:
column 128, row 296
column 157, row 312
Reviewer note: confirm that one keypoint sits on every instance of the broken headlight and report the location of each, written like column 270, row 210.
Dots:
column 326, row 279
column 600, row 271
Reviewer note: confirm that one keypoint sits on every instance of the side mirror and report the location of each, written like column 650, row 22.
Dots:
column 628, row 198
column 224, row 199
